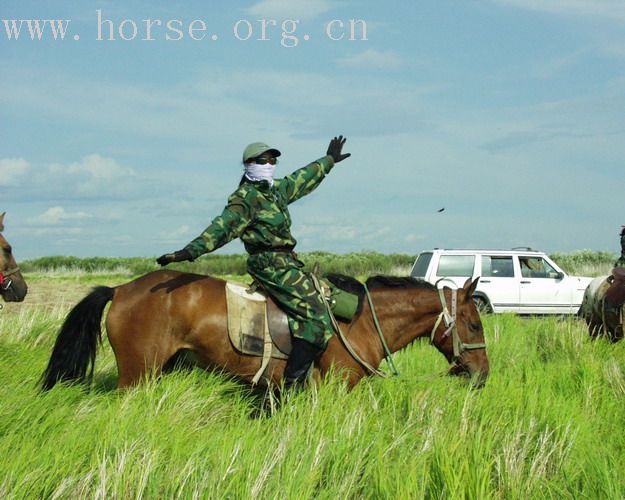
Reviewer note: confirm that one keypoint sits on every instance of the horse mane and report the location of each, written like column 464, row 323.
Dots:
column 347, row 283
column 398, row 282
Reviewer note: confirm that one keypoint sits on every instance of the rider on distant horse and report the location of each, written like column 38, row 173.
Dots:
column 257, row 213
column 621, row 261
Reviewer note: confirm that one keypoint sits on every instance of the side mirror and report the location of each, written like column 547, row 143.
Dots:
column 559, row 275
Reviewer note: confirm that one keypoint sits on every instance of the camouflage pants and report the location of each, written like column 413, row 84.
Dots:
column 282, row 277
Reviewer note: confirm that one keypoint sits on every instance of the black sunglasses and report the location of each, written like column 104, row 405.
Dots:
column 262, row 160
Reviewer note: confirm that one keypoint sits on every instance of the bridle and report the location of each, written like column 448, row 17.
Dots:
column 459, row 347
column 5, row 282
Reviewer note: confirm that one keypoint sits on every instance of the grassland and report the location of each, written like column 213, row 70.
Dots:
column 360, row 263
column 548, row 424
column 583, row 263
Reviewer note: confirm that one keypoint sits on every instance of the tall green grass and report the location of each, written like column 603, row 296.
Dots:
column 584, row 262
column 548, row 424
column 360, row 263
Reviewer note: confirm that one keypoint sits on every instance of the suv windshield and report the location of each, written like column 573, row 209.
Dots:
column 536, row 267
column 421, row 266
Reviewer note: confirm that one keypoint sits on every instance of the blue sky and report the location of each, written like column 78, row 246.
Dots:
column 508, row 113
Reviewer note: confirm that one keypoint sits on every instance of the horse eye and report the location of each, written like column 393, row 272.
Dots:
column 475, row 327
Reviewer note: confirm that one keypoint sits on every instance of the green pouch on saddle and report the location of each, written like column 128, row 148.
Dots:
column 343, row 304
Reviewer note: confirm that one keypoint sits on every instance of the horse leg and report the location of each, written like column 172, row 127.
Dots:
column 140, row 351
column 594, row 329
column 136, row 363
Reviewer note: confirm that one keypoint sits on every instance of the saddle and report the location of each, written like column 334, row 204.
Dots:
column 255, row 321
column 258, row 327
column 615, row 295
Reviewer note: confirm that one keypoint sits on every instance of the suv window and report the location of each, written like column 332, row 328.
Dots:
column 421, row 265
column 456, row 265
column 497, row 267
column 536, row 267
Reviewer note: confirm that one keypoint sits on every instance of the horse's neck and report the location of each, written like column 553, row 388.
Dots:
column 405, row 314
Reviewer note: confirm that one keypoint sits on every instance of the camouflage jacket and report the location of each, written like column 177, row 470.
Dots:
column 258, row 214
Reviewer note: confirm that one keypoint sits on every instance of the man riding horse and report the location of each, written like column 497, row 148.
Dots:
column 257, row 213
column 603, row 306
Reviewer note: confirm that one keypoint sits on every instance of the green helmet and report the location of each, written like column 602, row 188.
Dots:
column 256, row 149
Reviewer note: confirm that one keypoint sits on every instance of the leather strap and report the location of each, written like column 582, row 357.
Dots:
column 340, row 334
column 267, row 348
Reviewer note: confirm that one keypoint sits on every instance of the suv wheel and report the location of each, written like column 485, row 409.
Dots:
column 483, row 307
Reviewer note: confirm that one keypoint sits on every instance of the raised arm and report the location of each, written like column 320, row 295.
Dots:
column 304, row 180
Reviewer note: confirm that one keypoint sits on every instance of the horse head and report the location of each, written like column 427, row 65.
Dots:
column 459, row 334
column 12, row 285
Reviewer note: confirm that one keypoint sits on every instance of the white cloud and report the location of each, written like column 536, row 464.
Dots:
column 375, row 59
column 289, row 9
column 55, row 216
column 93, row 171
column 11, row 170
column 60, row 235
column 148, row 112
column 614, row 9
column 93, row 177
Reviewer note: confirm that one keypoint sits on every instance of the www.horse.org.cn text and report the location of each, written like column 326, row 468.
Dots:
column 287, row 32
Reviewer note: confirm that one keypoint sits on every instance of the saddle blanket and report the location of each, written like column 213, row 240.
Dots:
column 255, row 326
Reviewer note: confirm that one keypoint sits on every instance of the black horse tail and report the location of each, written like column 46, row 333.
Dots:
column 75, row 347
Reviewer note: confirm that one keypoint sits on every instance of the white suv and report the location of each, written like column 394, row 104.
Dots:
column 525, row 282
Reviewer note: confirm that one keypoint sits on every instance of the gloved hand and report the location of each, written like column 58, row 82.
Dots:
column 177, row 256
column 335, row 147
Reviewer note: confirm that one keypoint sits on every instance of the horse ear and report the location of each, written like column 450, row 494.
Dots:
column 469, row 288
column 2, row 221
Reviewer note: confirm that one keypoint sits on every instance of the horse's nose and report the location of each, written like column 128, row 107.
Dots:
column 479, row 381
column 18, row 292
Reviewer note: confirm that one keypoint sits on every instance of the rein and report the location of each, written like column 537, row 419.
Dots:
column 387, row 352
column 346, row 342
column 452, row 328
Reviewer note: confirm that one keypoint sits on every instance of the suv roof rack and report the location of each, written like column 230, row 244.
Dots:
column 515, row 249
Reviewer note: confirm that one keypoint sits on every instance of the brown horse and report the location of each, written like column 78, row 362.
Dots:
column 12, row 285
column 162, row 313
column 603, row 306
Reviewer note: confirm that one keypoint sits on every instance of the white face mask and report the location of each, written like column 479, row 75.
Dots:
column 257, row 172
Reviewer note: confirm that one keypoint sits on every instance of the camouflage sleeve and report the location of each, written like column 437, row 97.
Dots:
column 306, row 179
column 222, row 229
